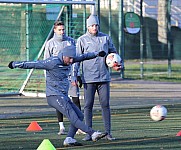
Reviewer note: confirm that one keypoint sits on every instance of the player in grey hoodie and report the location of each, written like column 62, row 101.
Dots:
column 57, row 85
column 95, row 73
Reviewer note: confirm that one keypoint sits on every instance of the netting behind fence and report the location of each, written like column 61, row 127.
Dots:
column 24, row 29
column 156, row 51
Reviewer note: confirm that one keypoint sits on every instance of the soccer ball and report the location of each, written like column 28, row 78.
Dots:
column 158, row 113
column 113, row 60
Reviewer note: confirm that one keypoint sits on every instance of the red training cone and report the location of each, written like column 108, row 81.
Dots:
column 34, row 126
column 179, row 133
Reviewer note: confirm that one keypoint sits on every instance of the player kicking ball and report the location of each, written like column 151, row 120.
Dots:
column 57, row 85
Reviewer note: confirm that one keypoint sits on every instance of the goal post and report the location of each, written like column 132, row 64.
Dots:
column 32, row 28
column 21, row 91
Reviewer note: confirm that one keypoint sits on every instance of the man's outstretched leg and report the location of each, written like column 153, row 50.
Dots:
column 75, row 116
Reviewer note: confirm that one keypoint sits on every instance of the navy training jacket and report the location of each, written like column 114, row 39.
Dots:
column 56, row 71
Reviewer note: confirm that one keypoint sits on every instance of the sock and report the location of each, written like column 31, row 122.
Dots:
column 61, row 125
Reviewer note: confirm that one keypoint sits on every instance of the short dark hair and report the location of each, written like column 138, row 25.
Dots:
column 58, row 23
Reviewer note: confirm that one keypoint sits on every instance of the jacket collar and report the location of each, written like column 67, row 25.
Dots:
column 91, row 35
column 61, row 38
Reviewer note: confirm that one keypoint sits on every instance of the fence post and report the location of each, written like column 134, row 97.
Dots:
column 141, row 40
column 121, row 34
column 169, row 37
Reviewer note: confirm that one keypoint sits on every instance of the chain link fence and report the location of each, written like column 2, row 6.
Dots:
column 25, row 28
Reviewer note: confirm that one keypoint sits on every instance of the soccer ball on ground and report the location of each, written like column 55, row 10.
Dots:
column 113, row 60
column 158, row 113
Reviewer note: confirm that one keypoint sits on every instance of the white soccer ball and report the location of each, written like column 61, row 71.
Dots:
column 158, row 113
column 113, row 60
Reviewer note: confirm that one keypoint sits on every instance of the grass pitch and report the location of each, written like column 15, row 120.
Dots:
column 132, row 128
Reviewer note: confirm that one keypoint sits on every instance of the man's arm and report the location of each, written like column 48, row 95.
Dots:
column 88, row 56
column 76, row 66
column 42, row 64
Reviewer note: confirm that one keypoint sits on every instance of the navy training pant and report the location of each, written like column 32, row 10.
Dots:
column 64, row 105
column 103, row 90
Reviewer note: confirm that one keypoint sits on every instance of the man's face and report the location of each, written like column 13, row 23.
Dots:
column 93, row 29
column 60, row 30
column 67, row 60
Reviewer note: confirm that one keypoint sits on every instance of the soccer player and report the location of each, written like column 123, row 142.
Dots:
column 95, row 73
column 57, row 85
column 52, row 48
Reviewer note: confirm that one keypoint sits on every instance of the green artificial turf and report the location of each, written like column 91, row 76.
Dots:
column 132, row 128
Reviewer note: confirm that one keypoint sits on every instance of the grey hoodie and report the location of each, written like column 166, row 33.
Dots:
column 55, row 45
column 95, row 70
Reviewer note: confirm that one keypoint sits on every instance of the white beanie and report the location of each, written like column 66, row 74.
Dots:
column 93, row 19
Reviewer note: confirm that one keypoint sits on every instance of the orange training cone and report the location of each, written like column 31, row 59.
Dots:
column 46, row 145
column 34, row 126
column 179, row 133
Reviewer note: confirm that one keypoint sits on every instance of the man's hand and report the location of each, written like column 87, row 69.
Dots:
column 10, row 65
column 79, row 81
column 73, row 80
column 117, row 68
column 102, row 53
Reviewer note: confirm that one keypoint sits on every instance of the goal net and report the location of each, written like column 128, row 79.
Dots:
column 26, row 25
